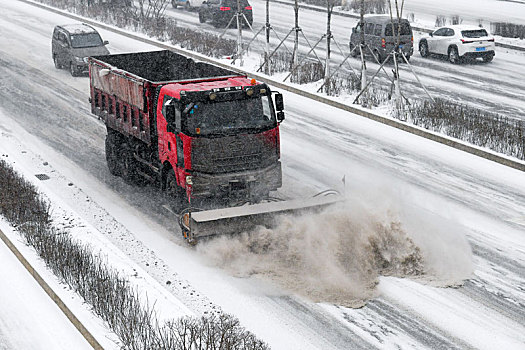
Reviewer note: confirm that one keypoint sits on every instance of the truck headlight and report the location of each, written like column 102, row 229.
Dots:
column 79, row 59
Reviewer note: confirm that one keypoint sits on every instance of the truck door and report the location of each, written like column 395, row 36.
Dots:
column 168, row 127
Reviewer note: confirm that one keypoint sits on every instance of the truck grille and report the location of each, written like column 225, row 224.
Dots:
column 232, row 153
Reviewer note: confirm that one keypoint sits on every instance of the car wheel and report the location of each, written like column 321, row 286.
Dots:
column 353, row 50
column 488, row 58
column 379, row 57
column 202, row 19
column 453, row 55
column 174, row 3
column 423, row 49
column 55, row 61
column 72, row 69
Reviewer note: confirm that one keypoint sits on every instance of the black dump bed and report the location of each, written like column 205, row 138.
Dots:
column 163, row 66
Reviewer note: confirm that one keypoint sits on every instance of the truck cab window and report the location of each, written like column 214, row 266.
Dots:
column 172, row 113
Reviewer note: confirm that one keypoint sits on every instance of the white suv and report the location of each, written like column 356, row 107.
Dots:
column 457, row 42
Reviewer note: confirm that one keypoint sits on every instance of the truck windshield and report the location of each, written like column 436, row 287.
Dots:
column 229, row 117
column 85, row 40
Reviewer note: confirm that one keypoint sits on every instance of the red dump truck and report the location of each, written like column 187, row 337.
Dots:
column 195, row 129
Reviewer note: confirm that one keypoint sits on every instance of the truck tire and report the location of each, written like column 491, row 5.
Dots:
column 174, row 191
column 112, row 154
column 202, row 19
column 128, row 165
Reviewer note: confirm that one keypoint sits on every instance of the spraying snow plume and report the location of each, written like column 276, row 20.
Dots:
column 338, row 255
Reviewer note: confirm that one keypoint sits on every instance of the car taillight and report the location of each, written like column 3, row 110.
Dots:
column 248, row 8
column 463, row 41
column 225, row 8
column 383, row 42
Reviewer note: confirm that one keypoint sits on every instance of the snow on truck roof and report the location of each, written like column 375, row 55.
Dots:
column 78, row 28
column 208, row 85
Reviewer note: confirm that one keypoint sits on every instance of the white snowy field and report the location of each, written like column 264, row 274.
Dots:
column 464, row 213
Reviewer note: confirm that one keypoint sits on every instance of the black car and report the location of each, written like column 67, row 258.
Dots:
column 72, row 44
column 220, row 12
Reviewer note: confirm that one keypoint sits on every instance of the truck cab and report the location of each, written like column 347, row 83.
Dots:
column 221, row 138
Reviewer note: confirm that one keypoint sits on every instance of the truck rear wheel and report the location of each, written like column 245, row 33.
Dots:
column 112, row 154
column 128, row 165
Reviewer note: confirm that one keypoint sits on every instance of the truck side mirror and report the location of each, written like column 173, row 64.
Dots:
column 280, row 116
column 279, row 102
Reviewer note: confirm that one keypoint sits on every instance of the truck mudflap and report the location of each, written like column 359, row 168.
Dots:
column 197, row 223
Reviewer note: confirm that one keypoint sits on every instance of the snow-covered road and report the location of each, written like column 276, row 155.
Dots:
column 497, row 87
column 464, row 213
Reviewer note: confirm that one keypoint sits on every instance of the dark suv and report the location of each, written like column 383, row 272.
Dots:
column 220, row 12
column 72, row 44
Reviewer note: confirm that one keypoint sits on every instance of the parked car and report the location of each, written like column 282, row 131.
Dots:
column 220, row 12
column 381, row 34
column 187, row 4
column 72, row 44
column 458, row 42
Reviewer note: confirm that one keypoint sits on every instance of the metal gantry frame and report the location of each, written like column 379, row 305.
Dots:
column 396, row 54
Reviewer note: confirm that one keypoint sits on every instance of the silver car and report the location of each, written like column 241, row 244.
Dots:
column 72, row 44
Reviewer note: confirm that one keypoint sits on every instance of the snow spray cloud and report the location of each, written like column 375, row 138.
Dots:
column 334, row 256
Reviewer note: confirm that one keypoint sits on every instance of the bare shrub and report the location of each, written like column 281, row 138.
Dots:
column 371, row 6
column 508, row 30
column 103, row 288
column 491, row 130
column 456, row 20
column 440, row 21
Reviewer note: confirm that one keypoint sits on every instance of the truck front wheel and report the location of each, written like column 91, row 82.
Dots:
column 173, row 190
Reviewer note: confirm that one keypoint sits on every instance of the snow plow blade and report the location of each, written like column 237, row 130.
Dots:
column 195, row 224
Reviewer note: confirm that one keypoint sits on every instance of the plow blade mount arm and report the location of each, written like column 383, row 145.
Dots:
column 243, row 218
